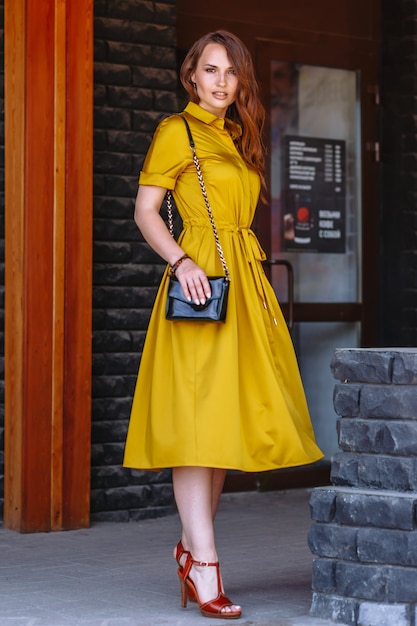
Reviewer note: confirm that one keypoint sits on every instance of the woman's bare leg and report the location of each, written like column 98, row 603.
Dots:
column 219, row 476
column 197, row 492
column 194, row 498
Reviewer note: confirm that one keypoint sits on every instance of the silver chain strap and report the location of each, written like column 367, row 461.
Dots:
column 208, row 207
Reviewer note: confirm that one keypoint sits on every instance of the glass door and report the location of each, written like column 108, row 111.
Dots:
column 315, row 221
column 315, row 212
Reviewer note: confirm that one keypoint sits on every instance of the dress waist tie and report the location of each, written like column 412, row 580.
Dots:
column 255, row 255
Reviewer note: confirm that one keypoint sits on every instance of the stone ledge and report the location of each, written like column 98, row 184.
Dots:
column 378, row 583
column 370, row 366
column 375, row 614
column 352, row 612
column 333, row 541
column 376, row 365
column 335, row 608
column 375, row 400
column 360, row 581
column 364, row 507
column 392, row 401
column 377, row 546
column 393, row 437
column 382, row 545
column 374, row 471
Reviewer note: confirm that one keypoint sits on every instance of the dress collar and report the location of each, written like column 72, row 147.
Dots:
column 235, row 130
column 204, row 116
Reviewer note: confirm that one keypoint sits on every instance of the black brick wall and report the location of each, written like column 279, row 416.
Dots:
column 135, row 86
column 398, row 276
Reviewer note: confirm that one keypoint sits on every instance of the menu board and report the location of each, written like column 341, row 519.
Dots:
column 314, row 194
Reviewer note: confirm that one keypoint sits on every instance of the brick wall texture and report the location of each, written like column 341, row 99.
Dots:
column 398, row 223
column 135, row 86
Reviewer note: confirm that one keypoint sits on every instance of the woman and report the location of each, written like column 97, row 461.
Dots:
column 213, row 396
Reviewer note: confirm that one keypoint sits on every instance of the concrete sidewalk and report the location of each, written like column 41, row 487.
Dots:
column 124, row 575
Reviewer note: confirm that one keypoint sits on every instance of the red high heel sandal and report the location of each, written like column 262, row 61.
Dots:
column 212, row 608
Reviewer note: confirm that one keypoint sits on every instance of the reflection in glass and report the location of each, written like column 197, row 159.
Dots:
column 314, row 118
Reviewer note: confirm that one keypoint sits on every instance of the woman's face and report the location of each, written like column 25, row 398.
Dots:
column 215, row 79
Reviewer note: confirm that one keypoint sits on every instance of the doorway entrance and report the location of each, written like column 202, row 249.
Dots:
column 320, row 225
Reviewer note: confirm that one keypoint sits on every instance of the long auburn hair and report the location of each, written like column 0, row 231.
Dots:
column 247, row 110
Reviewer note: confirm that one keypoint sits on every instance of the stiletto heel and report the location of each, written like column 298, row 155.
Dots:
column 184, row 591
column 179, row 553
column 212, row 608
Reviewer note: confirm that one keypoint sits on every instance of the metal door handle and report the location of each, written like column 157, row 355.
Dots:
column 290, row 287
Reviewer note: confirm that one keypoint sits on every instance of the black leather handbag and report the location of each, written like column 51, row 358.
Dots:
column 178, row 308
column 213, row 310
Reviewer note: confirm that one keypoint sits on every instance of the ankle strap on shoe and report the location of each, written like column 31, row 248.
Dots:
column 205, row 563
column 190, row 562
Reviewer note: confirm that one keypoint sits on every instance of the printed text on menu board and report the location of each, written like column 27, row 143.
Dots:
column 314, row 194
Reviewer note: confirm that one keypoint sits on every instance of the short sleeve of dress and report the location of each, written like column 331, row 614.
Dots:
column 167, row 156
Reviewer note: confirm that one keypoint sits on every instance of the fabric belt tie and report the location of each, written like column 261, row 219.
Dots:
column 254, row 255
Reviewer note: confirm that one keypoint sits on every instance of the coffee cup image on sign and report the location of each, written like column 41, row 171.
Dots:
column 298, row 225
column 302, row 225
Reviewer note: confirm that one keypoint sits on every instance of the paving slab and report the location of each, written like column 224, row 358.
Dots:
column 123, row 574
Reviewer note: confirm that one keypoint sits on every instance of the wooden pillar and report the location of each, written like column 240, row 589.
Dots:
column 48, row 261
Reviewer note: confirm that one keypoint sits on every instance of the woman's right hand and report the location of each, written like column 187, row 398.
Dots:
column 193, row 281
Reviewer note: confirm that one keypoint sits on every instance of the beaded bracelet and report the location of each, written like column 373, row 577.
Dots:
column 177, row 263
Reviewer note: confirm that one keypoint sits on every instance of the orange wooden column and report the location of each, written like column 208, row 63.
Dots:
column 48, row 261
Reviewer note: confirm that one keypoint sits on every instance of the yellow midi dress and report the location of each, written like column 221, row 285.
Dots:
column 222, row 395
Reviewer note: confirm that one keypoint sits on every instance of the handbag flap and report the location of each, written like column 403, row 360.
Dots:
column 217, row 285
